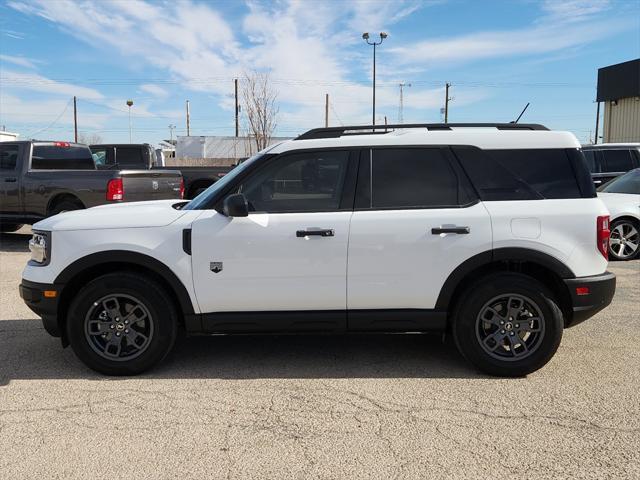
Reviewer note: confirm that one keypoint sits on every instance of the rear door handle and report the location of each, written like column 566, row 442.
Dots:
column 327, row 232
column 11, row 180
column 450, row 229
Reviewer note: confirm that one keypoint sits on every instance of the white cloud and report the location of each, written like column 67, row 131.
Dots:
column 34, row 82
column 154, row 90
column 20, row 61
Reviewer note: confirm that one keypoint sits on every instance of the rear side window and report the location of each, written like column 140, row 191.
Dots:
column 8, row 157
column 617, row 160
column 129, row 157
column 396, row 178
column 627, row 183
column 52, row 157
column 525, row 174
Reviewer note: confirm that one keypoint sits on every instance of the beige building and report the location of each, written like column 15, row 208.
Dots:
column 619, row 90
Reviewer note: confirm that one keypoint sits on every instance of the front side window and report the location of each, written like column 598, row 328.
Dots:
column 617, row 160
column 301, row 182
column 8, row 157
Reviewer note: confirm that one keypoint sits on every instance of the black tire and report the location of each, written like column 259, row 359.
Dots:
column 625, row 252
column 163, row 323
column 469, row 329
column 65, row 206
column 10, row 227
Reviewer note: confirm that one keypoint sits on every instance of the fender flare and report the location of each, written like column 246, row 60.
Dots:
column 132, row 258
column 497, row 255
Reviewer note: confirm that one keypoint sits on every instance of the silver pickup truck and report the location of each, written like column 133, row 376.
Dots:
column 40, row 179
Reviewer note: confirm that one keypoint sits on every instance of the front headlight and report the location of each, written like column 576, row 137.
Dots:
column 40, row 246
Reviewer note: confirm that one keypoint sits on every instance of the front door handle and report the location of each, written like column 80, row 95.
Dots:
column 327, row 232
column 11, row 180
column 450, row 229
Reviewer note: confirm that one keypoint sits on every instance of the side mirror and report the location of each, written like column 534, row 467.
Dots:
column 235, row 205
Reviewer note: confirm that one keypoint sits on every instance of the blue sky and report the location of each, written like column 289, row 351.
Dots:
column 498, row 55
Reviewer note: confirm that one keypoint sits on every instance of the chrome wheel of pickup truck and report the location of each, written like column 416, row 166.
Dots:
column 118, row 327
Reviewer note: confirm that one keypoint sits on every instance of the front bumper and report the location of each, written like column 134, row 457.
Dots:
column 600, row 288
column 46, row 307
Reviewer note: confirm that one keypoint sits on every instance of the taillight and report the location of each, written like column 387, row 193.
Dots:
column 602, row 235
column 115, row 190
column 182, row 188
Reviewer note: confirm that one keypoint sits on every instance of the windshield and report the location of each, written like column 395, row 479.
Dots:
column 627, row 183
column 202, row 200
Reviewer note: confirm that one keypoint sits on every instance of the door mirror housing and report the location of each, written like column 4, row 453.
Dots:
column 235, row 205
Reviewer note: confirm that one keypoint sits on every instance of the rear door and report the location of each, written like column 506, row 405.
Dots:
column 10, row 198
column 415, row 221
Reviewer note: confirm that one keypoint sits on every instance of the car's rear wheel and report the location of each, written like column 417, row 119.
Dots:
column 10, row 227
column 508, row 325
column 122, row 324
column 624, row 242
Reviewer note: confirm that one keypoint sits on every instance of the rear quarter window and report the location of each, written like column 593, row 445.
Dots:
column 525, row 174
column 52, row 157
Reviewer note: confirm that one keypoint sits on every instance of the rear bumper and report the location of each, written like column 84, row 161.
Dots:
column 601, row 289
column 46, row 307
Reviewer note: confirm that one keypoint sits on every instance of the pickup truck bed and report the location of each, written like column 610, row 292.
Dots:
column 142, row 156
column 40, row 179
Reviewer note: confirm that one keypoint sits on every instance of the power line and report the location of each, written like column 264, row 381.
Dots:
column 54, row 122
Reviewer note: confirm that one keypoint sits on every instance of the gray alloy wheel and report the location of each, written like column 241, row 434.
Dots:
column 510, row 327
column 624, row 240
column 118, row 327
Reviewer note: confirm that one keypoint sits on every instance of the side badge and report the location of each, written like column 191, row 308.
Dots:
column 215, row 267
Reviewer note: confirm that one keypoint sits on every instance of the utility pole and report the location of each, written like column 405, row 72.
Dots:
column 446, row 102
column 401, row 109
column 235, row 81
column 75, row 120
column 188, row 119
column 171, row 128
column 595, row 141
column 326, row 110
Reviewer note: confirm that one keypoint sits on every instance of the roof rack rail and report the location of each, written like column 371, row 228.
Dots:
column 335, row 132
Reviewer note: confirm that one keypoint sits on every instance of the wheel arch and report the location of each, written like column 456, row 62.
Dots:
column 83, row 270
column 61, row 196
column 541, row 266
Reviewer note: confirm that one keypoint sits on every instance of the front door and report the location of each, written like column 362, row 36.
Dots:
column 288, row 255
column 10, row 201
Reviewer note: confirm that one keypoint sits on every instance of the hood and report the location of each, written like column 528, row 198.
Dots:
column 157, row 213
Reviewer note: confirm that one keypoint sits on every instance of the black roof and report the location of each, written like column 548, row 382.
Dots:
column 619, row 81
column 335, row 132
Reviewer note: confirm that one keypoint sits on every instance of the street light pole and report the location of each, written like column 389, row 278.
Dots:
column 129, row 104
column 365, row 37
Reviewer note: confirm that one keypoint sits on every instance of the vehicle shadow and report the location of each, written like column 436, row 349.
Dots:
column 14, row 242
column 28, row 352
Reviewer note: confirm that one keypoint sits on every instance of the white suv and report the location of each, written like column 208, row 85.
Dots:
column 491, row 231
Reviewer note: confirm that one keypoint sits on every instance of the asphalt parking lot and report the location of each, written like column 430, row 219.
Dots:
column 394, row 406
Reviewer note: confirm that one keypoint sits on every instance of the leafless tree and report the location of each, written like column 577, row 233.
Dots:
column 259, row 98
column 89, row 138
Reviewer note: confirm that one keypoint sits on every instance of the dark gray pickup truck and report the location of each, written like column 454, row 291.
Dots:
column 142, row 156
column 40, row 179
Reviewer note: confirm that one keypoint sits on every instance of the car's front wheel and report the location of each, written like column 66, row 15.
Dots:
column 122, row 323
column 508, row 325
column 624, row 242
